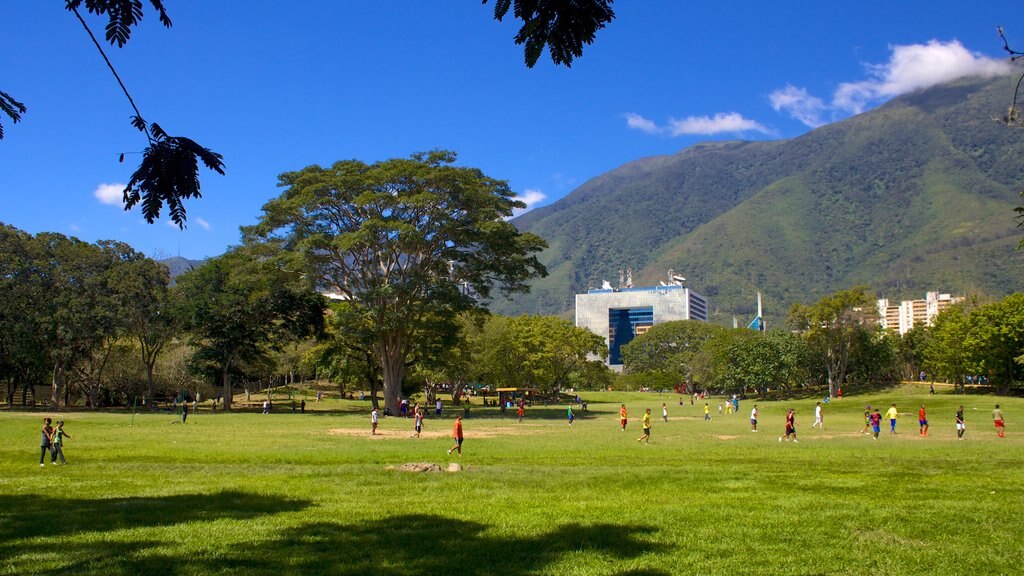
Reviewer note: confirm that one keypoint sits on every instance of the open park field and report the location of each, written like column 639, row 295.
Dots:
column 314, row 493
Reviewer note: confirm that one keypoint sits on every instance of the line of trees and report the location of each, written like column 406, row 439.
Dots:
column 836, row 342
column 833, row 342
column 101, row 324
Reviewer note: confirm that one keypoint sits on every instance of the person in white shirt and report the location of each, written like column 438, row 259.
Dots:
column 817, row 417
column 753, row 419
column 373, row 421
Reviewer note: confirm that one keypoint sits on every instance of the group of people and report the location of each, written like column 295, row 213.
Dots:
column 52, row 441
column 873, row 421
column 417, row 418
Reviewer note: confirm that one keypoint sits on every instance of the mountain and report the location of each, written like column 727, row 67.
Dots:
column 179, row 265
column 915, row 195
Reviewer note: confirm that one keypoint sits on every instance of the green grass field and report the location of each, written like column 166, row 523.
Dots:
column 313, row 493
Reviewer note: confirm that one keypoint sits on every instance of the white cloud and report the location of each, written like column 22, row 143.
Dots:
column 915, row 67
column 799, row 104
column 111, row 194
column 731, row 122
column 912, row 67
column 170, row 223
column 531, row 198
column 74, row 227
column 638, row 122
column 202, row 223
column 727, row 122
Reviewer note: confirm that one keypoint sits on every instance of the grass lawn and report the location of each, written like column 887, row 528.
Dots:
column 313, row 493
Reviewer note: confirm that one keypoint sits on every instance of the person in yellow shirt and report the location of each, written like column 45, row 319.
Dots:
column 646, row 438
column 707, row 411
column 892, row 414
column 623, row 417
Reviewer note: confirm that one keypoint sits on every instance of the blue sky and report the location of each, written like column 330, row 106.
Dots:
column 277, row 86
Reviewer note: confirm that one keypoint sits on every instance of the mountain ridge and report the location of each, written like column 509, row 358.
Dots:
column 914, row 195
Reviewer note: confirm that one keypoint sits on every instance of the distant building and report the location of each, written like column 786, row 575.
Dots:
column 910, row 313
column 623, row 314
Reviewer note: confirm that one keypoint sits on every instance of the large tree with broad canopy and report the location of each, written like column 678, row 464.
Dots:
column 408, row 240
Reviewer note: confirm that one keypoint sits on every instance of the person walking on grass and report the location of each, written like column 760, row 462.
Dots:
column 57, row 443
column 961, row 426
column 521, row 411
column 623, row 417
column 569, row 415
column 790, row 426
column 891, row 416
column 997, row 419
column 753, row 418
column 184, row 411
column 664, row 412
column 45, row 443
column 457, row 435
column 817, row 418
column 646, row 438
column 922, row 421
column 373, row 422
column 876, row 423
column 707, row 411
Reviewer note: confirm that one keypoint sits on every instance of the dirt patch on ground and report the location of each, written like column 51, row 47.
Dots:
column 726, row 437
column 398, row 434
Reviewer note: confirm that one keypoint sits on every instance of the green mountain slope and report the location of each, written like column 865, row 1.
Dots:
column 915, row 195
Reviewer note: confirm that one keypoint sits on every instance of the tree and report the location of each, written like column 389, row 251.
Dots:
column 832, row 326
column 145, row 309
column 671, row 347
column 408, row 241
column 243, row 304
column 564, row 27
column 755, row 361
column 995, row 341
column 539, row 351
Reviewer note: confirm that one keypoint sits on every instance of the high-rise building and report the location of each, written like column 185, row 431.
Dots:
column 623, row 314
column 911, row 313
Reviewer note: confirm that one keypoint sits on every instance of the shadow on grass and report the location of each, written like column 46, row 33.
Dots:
column 23, row 517
column 410, row 545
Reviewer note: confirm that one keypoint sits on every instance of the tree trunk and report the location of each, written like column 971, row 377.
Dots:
column 226, row 379
column 393, row 368
column 150, row 391
column 57, row 385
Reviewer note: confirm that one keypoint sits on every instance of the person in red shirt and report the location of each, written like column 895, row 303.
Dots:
column 622, row 417
column 790, row 426
column 521, row 412
column 457, row 435
column 922, row 421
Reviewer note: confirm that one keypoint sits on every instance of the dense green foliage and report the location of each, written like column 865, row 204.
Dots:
column 541, row 352
column 971, row 340
column 831, row 342
column 66, row 304
column 241, row 306
column 915, row 195
column 290, row 494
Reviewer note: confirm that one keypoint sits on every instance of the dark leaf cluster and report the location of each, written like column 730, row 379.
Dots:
column 121, row 15
column 564, row 26
column 12, row 108
column 169, row 173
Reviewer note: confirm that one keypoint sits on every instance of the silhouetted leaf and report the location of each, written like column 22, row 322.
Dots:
column 169, row 173
column 562, row 25
column 121, row 14
column 12, row 108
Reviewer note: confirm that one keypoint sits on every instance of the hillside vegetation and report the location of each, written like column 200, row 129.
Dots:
column 915, row 195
